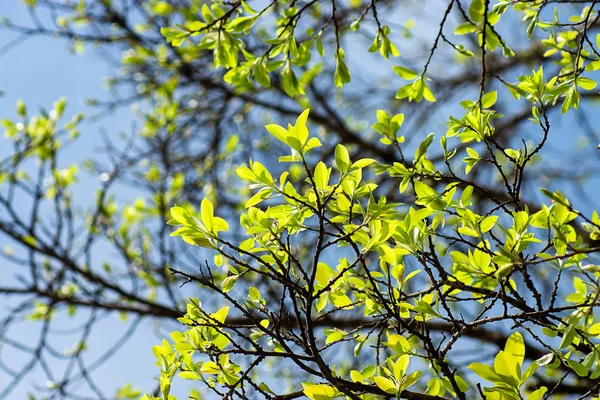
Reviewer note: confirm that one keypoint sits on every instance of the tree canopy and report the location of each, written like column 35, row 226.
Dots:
column 328, row 199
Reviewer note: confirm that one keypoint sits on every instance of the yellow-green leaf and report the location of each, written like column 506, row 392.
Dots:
column 207, row 214
column 385, row 384
column 320, row 392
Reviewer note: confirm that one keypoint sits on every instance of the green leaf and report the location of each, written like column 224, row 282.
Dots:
column 405, row 73
column 207, row 14
column 398, row 343
column 302, row 119
column 254, row 294
column 342, row 73
column 291, row 85
column 385, row 384
column 312, row 143
column 568, row 336
column 464, row 28
column 579, row 368
column 362, row 163
column 279, row 132
column 410, row 380
column 207, row 214
column 356, row 376
column 320, row 392
column 504, row 271
column 162, row 8
column 257, row 198
column 229, row 282
column 424, row 191
column 594, row 329
column 404, row 92
column 21, row 109
column 516, row 347
column 476, row 10
column 489, row 99
column 538, row 394
column 488, row 223
column 321, row 176
column 210, row 367
column 462, row 50
column 507, row 367
column 323, row 274
column 342, row 158
column 586, row 83
column 427, row 93
column 579, row 286
column 261, row 74
column 400, row 367
column 247, row 8
column 189, row 375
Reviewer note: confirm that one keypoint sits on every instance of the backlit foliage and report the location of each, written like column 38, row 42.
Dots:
column 326, row 256
column 367, row 250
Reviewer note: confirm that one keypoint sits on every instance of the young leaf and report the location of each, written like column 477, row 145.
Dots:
column 207, row 214
column 342, row 158
column 385, row 384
